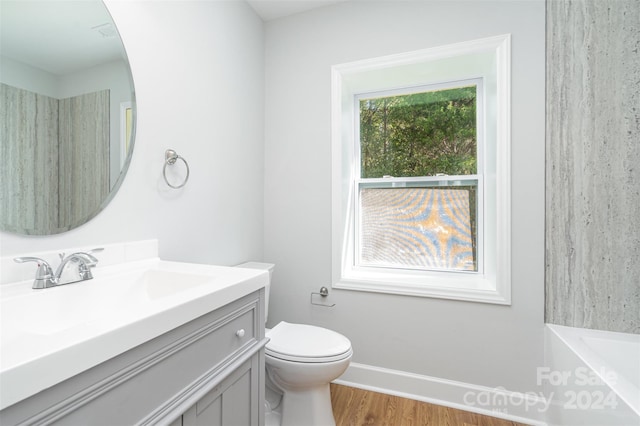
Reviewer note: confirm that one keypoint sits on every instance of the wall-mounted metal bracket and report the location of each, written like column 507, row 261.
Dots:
column 324, row 292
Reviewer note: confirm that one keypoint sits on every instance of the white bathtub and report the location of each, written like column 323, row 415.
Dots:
column 592, row 377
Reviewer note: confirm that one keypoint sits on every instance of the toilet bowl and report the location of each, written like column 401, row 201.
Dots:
column 301, row 360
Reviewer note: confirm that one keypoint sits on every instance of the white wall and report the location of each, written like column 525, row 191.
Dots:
column 199, row 76
column 26, row 77
column 475, row 343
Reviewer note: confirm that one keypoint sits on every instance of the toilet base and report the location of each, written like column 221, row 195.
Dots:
column 272, row 418
column 308, row 407
column 272, row 404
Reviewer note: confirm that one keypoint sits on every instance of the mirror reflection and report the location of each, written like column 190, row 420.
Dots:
column 67, row 113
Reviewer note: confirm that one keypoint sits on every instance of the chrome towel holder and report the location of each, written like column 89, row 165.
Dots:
column 170, row 158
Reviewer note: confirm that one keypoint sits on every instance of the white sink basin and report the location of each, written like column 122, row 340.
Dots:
column 57, row 309
column 55, row 333
column 156, row 284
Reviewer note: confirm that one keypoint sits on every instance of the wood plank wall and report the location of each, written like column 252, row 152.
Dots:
column 55, row 159
column 84, row 156
column 29, row 155
column 593, row 164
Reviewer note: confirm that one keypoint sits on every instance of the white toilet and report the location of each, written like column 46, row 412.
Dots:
column 301, row 361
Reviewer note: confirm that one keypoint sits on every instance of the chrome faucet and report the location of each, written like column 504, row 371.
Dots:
column 73, row 268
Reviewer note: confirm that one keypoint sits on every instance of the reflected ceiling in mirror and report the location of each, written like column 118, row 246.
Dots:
column 67, row 113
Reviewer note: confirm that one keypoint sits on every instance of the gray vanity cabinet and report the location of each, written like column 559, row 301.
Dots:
column 209, row 371
column 229, row 404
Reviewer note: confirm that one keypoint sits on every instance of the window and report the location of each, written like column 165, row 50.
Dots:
column 421, row 173
column 417, row 178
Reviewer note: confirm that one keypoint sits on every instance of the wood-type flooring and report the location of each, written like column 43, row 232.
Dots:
column 358, row 407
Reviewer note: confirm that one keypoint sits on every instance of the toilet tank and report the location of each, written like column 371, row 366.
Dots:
column 265, row 267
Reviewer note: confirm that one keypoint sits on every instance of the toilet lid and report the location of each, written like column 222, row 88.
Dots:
column 306, row 343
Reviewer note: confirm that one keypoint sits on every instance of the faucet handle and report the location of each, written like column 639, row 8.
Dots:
column 90, row 255
column 88, row 261
column 44, row 269
column 44, row 273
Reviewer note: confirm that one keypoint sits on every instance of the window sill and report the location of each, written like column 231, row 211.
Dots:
column 465, row 287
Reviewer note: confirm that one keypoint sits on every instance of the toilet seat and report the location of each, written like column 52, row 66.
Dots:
column 306, row 343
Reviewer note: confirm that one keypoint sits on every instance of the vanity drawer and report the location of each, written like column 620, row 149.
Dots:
column 226, row 338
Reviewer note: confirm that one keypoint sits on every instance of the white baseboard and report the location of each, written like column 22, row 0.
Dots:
column 496, row 402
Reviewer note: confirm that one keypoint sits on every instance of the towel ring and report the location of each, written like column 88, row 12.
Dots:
column 170, row 158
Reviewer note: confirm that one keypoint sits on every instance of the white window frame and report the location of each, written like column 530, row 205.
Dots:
column 124, row 131
column 487, row 60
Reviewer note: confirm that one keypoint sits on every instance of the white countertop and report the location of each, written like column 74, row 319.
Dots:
column 50, row 335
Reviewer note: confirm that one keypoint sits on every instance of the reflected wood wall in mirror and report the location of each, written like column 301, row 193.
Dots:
column 64, row 142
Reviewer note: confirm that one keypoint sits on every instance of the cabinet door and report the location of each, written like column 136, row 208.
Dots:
column 176, row 422
column 231, row 403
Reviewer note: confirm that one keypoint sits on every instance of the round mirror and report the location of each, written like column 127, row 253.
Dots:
column 67, row 114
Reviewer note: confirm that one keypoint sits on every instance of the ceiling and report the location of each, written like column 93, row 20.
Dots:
column 269, row 10
column 60, row 37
